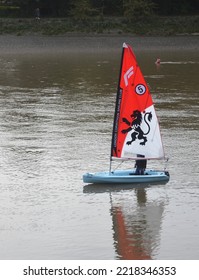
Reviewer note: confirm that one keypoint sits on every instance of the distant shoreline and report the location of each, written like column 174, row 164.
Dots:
column 29, row 44
column 109, row 25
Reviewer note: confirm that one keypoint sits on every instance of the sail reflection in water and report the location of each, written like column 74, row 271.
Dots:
column 136, row 219
column 136, row 229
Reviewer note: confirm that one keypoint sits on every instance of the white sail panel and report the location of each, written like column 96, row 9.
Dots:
column 144, row 138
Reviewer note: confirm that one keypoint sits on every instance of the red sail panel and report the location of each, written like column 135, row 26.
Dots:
column 133, row 95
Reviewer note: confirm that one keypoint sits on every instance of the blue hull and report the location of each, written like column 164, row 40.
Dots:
column 125, row 177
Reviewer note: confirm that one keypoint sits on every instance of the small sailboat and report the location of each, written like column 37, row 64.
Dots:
column 136, row 133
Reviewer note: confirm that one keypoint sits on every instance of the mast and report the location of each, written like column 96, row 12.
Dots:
column 117, row 110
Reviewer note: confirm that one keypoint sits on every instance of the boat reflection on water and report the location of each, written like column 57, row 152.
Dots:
column 136, row 221
column 136, row 231
column 101, row 188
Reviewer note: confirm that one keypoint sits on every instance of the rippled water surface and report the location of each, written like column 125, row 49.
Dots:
column 55, row 124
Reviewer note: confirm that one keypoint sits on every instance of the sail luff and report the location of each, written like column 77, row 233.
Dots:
column 117, row 110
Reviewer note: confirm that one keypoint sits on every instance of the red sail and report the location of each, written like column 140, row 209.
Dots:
column 133, row 95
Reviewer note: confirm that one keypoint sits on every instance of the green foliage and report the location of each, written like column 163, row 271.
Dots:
column 156, row 26
column 9, row 10
column 176, row 7
column 82, row 10
column 138, row 9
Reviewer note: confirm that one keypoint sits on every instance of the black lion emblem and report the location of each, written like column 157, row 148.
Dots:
column 135, row 124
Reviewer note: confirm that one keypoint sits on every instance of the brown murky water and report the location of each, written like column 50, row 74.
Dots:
column 55, row 124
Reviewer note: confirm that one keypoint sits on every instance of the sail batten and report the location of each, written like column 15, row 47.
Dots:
column 136, row 128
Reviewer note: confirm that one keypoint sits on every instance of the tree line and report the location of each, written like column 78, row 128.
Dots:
column 83, row 9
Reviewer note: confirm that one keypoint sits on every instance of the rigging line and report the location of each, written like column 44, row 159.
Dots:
column 166, row 163
column 117, row 166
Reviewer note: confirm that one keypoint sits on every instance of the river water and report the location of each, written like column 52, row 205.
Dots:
column 55, row 124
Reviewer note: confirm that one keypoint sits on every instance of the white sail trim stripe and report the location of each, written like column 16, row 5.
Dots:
column 127, row 75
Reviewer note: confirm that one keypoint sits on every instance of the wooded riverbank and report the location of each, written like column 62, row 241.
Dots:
column 155, row 26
